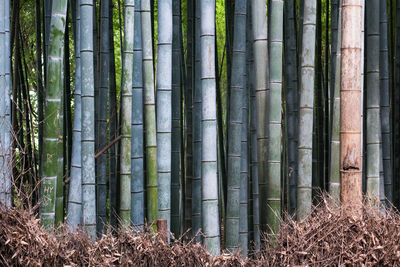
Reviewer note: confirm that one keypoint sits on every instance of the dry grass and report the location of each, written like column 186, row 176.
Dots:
column 329, row 238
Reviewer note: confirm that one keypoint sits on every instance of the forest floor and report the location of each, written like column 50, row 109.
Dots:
column 330, row 237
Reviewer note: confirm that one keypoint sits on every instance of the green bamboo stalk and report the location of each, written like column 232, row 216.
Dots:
column 209, row 166
column 61, row 159
column 261, row 74
column 238, row 82
column 126, row 114
column 291, row 101
column 137, row 161
column 245, row 197
column 317, row 176
column 74, row 212
column 334, row 175
column 275, row 116
column 113, row 125
column 39, row 78
column 373, row 100
column 88, row 119
column 396, row 99
column 149, row 114
column 385, row 101
column 53, row 103
column 197, row 134
column 176, row 142
column 164, row 108
column 255, row 226
column 306, row 102
column 101, row 164
column 188, row 113
column 46, row 34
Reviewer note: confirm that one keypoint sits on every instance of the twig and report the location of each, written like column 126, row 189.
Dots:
column 108, row 146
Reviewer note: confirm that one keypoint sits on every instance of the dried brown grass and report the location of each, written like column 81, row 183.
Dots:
column 331, row 237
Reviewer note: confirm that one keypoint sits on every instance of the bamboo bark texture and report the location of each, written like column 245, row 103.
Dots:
column 350, row 105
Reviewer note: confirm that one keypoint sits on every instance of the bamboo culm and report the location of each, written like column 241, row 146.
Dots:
column 88, row 118
column 209, row 166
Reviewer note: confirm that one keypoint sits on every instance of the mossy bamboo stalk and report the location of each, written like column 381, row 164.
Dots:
column 126, row 114
column 275, row 116
column 255, row 226
column 149, row 114
column 53, row 103
column 261, row 75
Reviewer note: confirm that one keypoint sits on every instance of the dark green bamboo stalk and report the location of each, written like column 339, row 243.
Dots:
column 176, row 142
column 101, row 165
column 189, row 113
column 197, row 138
column 238, row 82
column 334, row 175
column 291, row 100
column 385, row 101
column 396, row 108
column 373, row 100
column 113, row 125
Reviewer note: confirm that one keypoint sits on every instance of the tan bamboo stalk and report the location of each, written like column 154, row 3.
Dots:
column 350, row 105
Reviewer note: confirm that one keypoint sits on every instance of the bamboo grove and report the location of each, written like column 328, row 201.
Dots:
column 218, row 116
